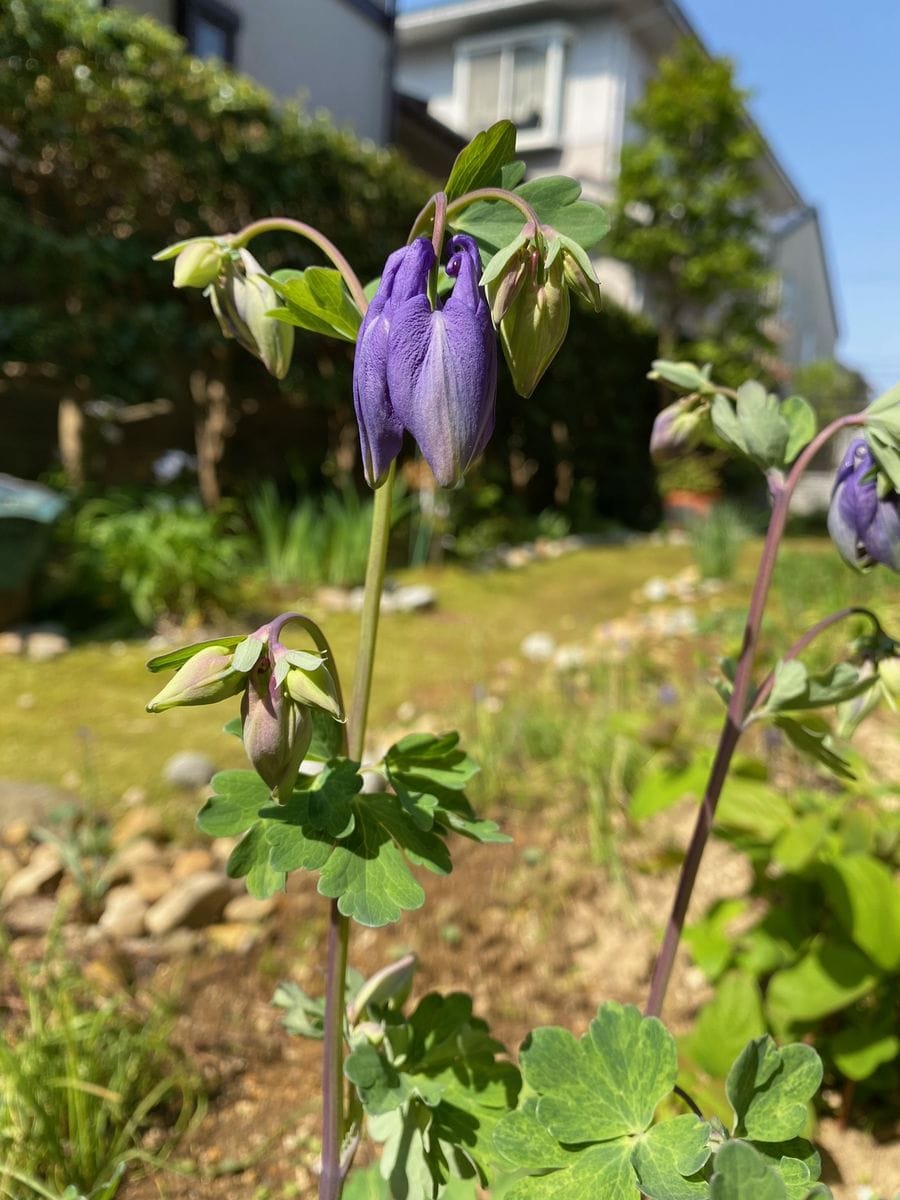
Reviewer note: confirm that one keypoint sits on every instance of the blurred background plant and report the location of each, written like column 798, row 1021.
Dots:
column 716, row 541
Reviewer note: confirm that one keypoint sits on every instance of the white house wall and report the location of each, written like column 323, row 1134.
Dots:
column 807, row 316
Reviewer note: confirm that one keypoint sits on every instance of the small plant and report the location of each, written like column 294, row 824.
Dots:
column 716, row 541
column 161, row 558
column 82, row 1080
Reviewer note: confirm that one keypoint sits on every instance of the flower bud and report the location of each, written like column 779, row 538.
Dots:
column 242, row 299
column 205, row 678
column 314, row 688
column 864, row 526
column 535, row 322
column 889, row 672
column 676, row 430
column 197, row 261
column 579, row 272
column 276, row 732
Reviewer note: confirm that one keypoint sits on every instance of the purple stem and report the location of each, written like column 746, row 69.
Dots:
column 332, row 1178
column 734, row 718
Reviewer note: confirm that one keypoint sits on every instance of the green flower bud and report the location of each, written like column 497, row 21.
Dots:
column 276, row 733
column 535, row 322
column 198, row 261
column 242, row 299
column 579, row 272
column 205, row 678
column 314, row 688
column 889, row 672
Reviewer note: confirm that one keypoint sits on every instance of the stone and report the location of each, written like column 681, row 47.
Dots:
column 16, row 833
column 247, row 908
column 238, row 937
column 332, row 599
column 655, row 589
column 9, row 864
column 151, row 881
column 29, row 916
column 42, row 645
column 538, row 647
column 222, row 847
column 32, row 803
column 190, row 862
column 41, row 874
column 140, row 822
column 189, row 770
column 190, row 903
column 11, row 642
column 123, row 913
column 411, row 598
column 570, row 657
column 136, row 853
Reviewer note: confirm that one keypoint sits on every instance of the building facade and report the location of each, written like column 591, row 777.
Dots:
column 335, row 55
column 567, row 73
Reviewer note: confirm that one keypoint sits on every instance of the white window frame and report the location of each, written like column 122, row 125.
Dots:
column 549, row 36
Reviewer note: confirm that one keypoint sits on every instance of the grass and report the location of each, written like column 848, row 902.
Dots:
column 90, row 701
column 82, row 1081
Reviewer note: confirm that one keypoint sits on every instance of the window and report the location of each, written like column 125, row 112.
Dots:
column 210, row 28
column 517, row 75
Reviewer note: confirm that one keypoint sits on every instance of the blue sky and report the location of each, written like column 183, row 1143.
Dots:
column 824, row 78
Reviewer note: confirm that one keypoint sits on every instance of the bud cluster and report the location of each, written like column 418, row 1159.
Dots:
column 279, row 689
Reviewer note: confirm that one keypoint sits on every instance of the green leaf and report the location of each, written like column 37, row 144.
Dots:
column 601, row 1170
column 798, row 1164
column 723, row 1027
column 726, row 424
column 859, row 1052
column 790, row 684
column 250, row 860
column 764, row 430
column 753, row 809
column 365, row 1185
column 801, row 843
column 770, row 1089
column 663, row 786
column 235, row 803
column 381, row 1086
column 327, row 737
column 525, row 1143
column 304, row 1016
column 741, row 1173
column 669, row 1151
column 802, row 425
column 685, row 375
column 813, row 737
column 175, row 658
column 555, row 199
column 830, row 976
column 607, row 1084
column 795, row 689
column 863, row 895
column 317, row 300
column 480, row 164
column 709, row 939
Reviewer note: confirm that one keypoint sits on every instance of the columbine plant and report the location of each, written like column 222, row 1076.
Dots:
column 491, row 259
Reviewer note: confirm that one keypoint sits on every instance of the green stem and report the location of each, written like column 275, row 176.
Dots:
column 328, row 248
column 365, row 655
column 335, row 1166
column 495, row 194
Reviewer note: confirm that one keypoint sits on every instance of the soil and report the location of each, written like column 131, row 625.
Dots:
column 537, row 938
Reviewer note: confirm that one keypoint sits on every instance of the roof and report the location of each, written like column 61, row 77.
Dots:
column 657, row 24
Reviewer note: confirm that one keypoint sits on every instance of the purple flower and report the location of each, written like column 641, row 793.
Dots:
column 864, row 526
column 431, row 371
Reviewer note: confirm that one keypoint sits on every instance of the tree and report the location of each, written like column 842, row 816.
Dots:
column 688, row 211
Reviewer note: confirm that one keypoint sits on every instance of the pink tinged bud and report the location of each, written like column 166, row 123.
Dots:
column 580, row 275
column 276, row 732
column 535, row 324
column 206, row 678
column 676, row 430
column 314, row 688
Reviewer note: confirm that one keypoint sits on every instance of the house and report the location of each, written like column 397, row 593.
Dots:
column 567, row 73
column 336, row 54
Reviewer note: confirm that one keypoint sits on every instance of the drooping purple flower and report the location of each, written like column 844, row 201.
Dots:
column 432, row 371
column 864, row 526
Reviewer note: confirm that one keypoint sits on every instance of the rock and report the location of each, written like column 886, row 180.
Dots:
column 538, row 647
column 190, row 862
column 41, row 645
column 412, row 598
column 569, row 658
column 177, row 944
column 32, row 803
column 136, row 853
column 134, row 795
column 247, row 908
column 16, row 833
column 516, row 557
column 332, row 599
column 190, row 903
column 40, row 875
column 655, row 589
column 151, row 881
column 123, row 914
column 189, row 770
column 141, row 822
column 222, row 847
column 235, row 938
column 9, row 864
column 11, row 642
column 30, row 915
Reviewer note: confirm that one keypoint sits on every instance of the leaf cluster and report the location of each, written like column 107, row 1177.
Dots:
column 363, row 846
column 586, row 1126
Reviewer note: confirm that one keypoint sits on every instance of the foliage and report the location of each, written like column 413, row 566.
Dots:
column 82, row 1079
column 115, row 138
column 317, row 541
column 687, row 213
column 587, row 1121
column 837, row 389
column 821, row 958
column 160, row 557
column 716, row 541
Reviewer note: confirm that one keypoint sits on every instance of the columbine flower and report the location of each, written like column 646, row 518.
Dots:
column 432, row 371
column 242, row 298
column 864, row 526
column 279, row 687
column 678, row 428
